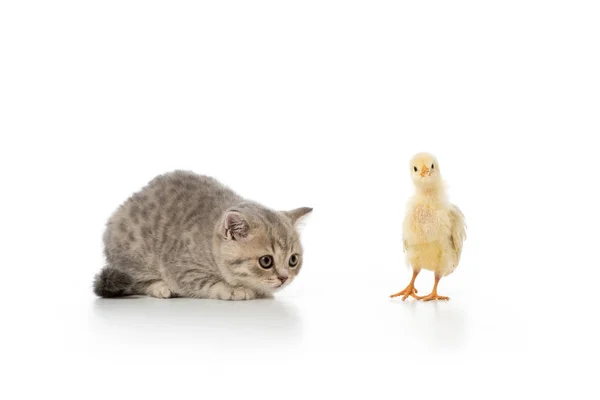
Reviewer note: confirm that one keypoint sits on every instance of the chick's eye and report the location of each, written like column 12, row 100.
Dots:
column 432, row 166
column 266, row 262
column 294, row 259
column 415, row 168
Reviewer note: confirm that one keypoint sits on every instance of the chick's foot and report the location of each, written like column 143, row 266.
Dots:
column 408, row 291
column 432, row 296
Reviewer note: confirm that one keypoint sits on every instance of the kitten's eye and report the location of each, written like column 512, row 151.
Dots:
column 266, row 262
column 415, row 168
column 294, row 259
column 432, row 166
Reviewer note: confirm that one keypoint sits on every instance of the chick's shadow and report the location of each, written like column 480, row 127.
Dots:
column 440, row 324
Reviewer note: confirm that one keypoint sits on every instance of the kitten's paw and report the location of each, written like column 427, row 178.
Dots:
column 160, row 290
column 240, row 293
column 222, row 291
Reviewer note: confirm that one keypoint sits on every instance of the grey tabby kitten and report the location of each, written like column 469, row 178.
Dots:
column 186, row 235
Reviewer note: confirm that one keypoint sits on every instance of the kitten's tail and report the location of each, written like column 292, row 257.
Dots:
column 110, row 282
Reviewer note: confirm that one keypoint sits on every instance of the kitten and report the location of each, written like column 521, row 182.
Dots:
column 186, row 235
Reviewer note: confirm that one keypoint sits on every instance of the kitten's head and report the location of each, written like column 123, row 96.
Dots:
column 259, row 247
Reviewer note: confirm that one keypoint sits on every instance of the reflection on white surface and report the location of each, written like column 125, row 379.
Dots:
column 441, row 325
column 298, row 325
column 204, row 324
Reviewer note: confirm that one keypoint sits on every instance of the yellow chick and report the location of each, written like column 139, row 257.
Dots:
column 434, row 229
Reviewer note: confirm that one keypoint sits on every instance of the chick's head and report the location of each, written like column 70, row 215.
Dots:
column 425, row 171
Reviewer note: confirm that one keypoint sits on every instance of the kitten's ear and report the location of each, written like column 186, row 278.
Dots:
column 298, row 214
column 235, row 226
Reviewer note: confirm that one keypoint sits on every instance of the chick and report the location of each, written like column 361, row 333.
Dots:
column 433, row 230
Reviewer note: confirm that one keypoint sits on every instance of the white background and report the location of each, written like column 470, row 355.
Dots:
column 312, row 103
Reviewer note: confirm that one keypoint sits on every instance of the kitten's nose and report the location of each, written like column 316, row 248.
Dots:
column 283, row 279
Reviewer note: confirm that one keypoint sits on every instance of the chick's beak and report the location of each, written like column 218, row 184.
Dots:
column 425, row 172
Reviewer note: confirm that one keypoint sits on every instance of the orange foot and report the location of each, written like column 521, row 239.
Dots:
column 432, row 296
column 408, row 291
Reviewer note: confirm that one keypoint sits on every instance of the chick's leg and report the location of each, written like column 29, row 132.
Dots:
column 410, row 289
column 433, row 295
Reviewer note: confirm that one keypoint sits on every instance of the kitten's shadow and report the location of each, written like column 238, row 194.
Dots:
column 206, row 323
